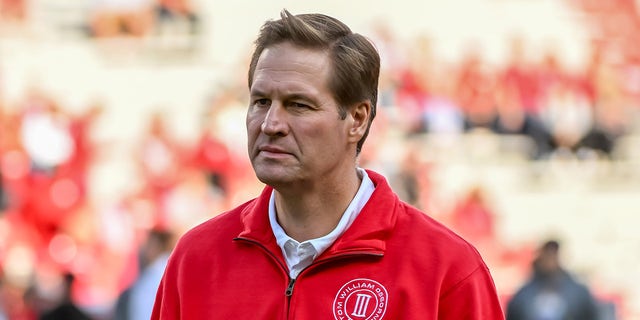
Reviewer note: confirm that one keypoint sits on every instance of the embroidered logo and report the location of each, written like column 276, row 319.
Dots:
column 360, row 299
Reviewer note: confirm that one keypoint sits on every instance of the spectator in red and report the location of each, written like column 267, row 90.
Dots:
column 568, row 116
column 160, row 163
column 513, row 119
column 14, row 161
column 474, row 91
column 473, row 217
column 13, row 10
column 169, row 10
column 45, row 134
column 48, row 196
column 605, row 86
column 520, row 79
column 84, row 151
column 111, row 18
column 212, row 156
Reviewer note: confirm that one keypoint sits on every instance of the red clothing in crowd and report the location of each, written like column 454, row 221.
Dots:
column 394, row 262
column 213, row 156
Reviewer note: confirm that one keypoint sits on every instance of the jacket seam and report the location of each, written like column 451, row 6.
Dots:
column 444, row 295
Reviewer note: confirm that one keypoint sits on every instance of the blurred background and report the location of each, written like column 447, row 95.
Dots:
column 122, row 126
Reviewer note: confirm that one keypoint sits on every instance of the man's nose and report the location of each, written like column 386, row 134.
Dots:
column 275, row 120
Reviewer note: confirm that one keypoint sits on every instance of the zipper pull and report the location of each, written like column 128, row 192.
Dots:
column 289, row 290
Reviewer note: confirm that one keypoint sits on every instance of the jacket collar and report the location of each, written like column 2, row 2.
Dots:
column 368, row 233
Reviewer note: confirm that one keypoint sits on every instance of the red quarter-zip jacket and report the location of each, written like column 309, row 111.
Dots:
column 394, row 262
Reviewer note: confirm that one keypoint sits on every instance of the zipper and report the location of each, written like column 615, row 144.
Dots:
column 289, row 290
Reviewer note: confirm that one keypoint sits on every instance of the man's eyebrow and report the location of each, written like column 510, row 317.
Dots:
column 257, row 93
column 302, row 97
column 286, row 96
column 298, row 96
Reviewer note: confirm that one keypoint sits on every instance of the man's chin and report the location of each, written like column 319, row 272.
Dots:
column 273, row 179
column 272, row 173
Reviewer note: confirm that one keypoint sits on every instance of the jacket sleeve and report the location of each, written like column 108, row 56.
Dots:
column 474, row 297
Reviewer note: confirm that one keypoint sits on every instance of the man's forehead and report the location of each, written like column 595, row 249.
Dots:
column 268, row 86
column 292, row 68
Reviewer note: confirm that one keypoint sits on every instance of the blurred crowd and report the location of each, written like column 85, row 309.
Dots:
column 116, row 18
column 63, row 249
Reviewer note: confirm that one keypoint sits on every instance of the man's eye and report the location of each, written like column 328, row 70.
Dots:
column 299, row 105
column 261, row 102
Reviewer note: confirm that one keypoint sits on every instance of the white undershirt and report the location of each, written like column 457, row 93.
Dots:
column 299, row 255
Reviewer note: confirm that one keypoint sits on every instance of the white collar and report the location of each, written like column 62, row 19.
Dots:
column 321, row 244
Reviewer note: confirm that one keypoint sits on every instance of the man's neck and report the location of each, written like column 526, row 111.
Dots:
column 315, row 213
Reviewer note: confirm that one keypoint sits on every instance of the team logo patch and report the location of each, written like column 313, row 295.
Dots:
column 361, row 299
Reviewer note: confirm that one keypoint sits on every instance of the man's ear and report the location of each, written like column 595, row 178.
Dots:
column 360, row 115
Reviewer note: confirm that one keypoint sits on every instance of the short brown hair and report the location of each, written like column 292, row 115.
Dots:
column 355, row 61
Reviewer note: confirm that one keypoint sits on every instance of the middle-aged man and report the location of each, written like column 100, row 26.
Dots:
column 326, row 239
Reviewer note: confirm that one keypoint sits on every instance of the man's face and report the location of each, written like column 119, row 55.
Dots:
column 549, row 262
column 295, row 134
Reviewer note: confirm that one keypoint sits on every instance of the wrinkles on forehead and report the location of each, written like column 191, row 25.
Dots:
column 292, row 69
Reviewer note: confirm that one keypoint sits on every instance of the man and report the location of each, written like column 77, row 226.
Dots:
column 552, row 293
column 325, row 239
column 137, row 301
column 66, row 309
